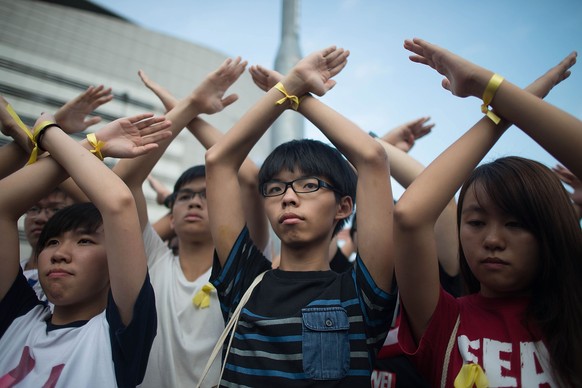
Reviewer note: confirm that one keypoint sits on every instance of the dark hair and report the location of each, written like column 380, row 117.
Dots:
column 74, row 217
column 187, row 176
column 312, row 157
column 534, row 195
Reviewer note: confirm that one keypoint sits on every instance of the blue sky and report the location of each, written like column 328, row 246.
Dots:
column 380, row 88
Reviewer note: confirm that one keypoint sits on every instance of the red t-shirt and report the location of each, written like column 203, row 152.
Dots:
column 491, row 333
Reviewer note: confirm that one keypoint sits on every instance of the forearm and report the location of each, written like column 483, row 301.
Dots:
column 206, row 133
column 236, row 144
column 85, row 168
column 431, row 191
column 12, row 158
column 556, row 131
column 359, row 147
column 403, row 167
column 135, row 171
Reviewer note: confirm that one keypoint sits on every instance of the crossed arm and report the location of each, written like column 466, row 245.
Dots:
column 127, row 137
column 418, row 209
column 208, row 97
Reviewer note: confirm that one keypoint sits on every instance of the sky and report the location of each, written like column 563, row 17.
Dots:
column 381, row 88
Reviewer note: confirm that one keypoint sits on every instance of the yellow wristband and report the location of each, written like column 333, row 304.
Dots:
column 31, row 135
column 293, row 99
column 36, row 134
column 96, row 144
column 488, row 95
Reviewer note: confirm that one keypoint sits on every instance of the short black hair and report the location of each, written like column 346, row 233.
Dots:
column 74, row 217
column 313, row 157
column 187, row 176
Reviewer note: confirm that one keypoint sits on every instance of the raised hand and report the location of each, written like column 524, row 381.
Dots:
column 542, row 86
column 163, row 94
column 463, row 78
column 129, row 137
column 264, row 78
column 571, row 180
column 162, row 192
column 209, row 95
column 404, row 135
column 72, row 116
column 314, row 73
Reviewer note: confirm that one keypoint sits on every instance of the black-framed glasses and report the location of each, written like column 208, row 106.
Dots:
column 186, row 195
column 275, row 188
column 49, row 210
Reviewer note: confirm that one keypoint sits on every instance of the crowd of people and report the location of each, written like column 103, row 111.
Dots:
column 429, row 289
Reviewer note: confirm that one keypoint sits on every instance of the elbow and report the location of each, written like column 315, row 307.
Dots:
column 374, row 155
column 120, row 202
column 405, row 217
column 212, row 158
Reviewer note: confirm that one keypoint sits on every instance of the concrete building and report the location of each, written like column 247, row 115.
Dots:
column 52, row 50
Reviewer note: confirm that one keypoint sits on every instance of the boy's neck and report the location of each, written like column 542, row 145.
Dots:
column 305, row 259
column 195, row 258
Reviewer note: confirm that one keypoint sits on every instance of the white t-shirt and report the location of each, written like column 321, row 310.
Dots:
column 186, row 334
column 35, row 353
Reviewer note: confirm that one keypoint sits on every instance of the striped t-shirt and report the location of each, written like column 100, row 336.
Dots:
column 300, row 329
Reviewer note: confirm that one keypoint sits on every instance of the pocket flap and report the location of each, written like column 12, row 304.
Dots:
column 325, row 318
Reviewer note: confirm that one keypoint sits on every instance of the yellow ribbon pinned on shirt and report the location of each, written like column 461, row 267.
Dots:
column 96, row 144
column 471, row 375
column 202, row 297
column 293, row 99
column 488, row 95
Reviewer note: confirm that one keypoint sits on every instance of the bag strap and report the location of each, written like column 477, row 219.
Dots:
column 230, row 326
column 448, row 352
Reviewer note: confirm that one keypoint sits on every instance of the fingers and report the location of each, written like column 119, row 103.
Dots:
column 91, row 121
column 229, row 100
column 338, row 62
column 327, row 51
column 259, row 77
column 152, row 124
column 142, row 150
column 156, row 137
column 139, row 117
column 144, row 78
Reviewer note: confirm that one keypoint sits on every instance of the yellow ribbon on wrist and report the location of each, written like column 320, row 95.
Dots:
column 96, row 144
column 471, row 375
column 294, row 100
column 202, row 297
column 33, row 136
column 488, row 95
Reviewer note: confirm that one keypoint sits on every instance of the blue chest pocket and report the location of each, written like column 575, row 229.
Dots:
column 326, row 346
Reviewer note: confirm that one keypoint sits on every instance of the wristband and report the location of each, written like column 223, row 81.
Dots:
column 488, row 95
column 293, row 99
column 96, row 144
column 41, row 131
column 36, row 133
column 36, row 137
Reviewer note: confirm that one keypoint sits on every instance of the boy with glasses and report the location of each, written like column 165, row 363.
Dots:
column 304, row 325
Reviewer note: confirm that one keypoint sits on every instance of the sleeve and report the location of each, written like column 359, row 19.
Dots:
column 430, row 350
column 377, row 305
column 131, row 345
column 19, row 300
column 245, row 261
column 155, row 248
